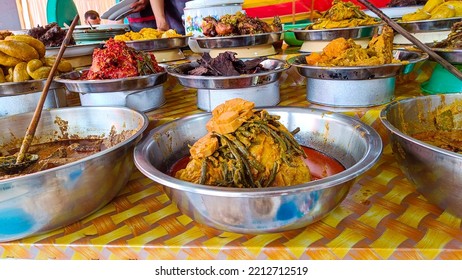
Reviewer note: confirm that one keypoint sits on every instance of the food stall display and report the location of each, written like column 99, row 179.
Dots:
column 248, row 37
column 119, row 76
column 165, row 45
column 226, row 77
column 248, row 178
column 346, row 75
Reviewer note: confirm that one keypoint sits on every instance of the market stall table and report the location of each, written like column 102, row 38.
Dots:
column 383, row 217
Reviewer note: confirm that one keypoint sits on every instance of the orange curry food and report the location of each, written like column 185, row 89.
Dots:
column 343, row 52
column 245, row 148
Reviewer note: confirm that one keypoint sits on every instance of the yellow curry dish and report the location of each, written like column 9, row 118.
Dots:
column 245, row 148
column 346, row 52
column 342, row 15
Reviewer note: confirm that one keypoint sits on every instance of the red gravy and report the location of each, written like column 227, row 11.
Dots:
column 320, row 164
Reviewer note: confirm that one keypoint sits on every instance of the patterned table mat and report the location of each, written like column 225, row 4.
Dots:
column 383, row 217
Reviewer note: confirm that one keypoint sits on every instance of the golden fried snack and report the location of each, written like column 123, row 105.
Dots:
column 36, row 70
column 19, row 50
column 36, row 44
column 63, row 66
column 20, row 73
column 7, row 60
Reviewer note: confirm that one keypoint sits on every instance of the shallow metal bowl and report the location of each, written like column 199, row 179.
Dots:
column 236, row 41
column 359, row 72
column 159, row 44
column 434, row 171
column 73, row 83
column 276, row 67
column 451, row 55
column 355, row 145
column 331, row 34
column 49, row 199
column 429, row 25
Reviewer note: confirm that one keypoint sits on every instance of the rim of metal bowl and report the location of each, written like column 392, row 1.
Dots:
column 392, row 129
column 222, row 82
column 357, row 32
column 98, row 154
column 159, row 44
column 72, row 82
column 238, row 40
column 429, row 25
column 371, row 156
column 355, row 72
column 19, row 88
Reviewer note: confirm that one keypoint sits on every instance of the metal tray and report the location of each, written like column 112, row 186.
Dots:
column 73, row 83
column 97, row 34
column 159, row 44
column 451, row 55
column 358, row 72
column 276, row 67
column 74, row 50
column 18, row 88
column 334, row 33
column 429, row 25
column 238, row 40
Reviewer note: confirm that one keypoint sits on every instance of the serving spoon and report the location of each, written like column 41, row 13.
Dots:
column 398, row 28
column 15, row 163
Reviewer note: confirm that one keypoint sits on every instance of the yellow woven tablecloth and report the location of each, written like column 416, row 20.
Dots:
column 383, row 217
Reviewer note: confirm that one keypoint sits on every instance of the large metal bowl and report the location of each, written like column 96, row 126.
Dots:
column 46, row 200
column 355, row 145
column 435, row 172
column 275, row 66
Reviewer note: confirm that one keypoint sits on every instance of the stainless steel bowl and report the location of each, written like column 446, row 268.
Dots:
column 453, row 56
column 46, row 200
column 355, row 145
column 73, row 83
column 331, row 34
column 236, row 41
column 435, row 172
column 276, row 67
column 159, row 44
column 429, row 25
column 359, row 72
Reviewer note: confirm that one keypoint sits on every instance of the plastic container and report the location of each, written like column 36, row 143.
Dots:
column 442, row 81
column 196, row 10
column 289, row 37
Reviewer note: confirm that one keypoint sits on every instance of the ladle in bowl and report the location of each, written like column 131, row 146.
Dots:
column 16, row 163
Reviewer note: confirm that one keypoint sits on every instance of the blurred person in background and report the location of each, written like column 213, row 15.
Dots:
column 159, row 14
column 92, row 17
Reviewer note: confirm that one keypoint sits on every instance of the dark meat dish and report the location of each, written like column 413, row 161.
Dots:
column 51, row 35
column 226, row 64
column 454, row 39
column 238, row 24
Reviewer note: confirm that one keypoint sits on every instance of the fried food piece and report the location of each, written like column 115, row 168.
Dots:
column 20, row 72
column 19, row 50
column 36, row 44
column 8, row 61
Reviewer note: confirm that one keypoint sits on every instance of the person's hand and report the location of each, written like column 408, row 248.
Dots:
column 139, row 5
column 162, row 24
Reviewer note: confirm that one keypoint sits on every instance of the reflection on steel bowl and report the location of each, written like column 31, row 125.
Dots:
column 49, row 199
column 434, row 171
column 355, row 145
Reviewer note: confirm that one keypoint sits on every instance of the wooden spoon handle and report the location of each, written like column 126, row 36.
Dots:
column 451, row 68
column 38, row 110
